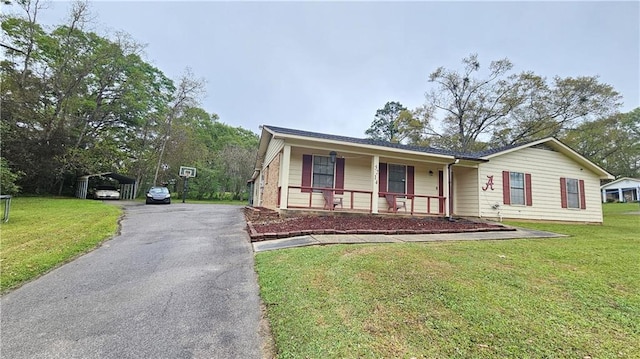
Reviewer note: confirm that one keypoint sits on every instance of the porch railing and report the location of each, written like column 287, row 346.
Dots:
column 356, row 202
column 318, row 191
column 417, row 197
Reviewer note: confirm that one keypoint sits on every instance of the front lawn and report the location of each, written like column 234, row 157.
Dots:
column 45, row 232
column 572, row 297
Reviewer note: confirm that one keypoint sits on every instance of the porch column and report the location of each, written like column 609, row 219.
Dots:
column 284, row 176
column 375, row 177
column 620, row 197
column 446, row 192
column 604, row 196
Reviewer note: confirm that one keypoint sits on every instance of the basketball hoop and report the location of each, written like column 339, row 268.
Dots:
column 187, row 172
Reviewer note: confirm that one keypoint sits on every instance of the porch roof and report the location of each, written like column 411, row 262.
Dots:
column 288, row 132
column 632, row 182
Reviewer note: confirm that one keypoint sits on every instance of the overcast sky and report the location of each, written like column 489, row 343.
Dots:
column 328, row 66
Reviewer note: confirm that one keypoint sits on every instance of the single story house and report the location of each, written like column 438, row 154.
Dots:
column 623, row 189
column 541, row 180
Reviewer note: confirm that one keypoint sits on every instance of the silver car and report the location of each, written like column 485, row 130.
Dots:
column 106, row 192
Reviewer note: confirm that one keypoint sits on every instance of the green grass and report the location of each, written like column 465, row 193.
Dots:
column 42, row 233
column 545, row 298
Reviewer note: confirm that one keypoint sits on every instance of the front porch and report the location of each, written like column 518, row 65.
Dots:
column 359, row 201
column 300, row 171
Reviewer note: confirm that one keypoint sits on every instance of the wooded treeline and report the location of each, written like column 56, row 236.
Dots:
column 475, row 109
column 74, row 102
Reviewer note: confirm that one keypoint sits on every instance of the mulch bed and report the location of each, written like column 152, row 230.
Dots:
column 365, row 224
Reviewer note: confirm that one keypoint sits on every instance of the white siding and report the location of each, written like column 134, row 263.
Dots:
column 546, row 167
column 357, row 176
column 275, row 146
column 465, row 191
column 296, row 197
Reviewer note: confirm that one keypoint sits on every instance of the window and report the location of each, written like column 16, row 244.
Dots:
column 516, row 188
column 322, row 172
column 318, row 172
column 397, row 178
column 573, row 193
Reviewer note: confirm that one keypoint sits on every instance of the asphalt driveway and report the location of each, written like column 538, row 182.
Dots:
column 178, row 282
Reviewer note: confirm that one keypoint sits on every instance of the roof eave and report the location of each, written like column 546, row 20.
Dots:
column 564, row 149
column 360, row 145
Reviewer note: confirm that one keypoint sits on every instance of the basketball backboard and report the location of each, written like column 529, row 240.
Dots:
column 187, row 171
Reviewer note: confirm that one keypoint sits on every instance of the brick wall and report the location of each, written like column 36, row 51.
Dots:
column 259, row 214
column 270, row 192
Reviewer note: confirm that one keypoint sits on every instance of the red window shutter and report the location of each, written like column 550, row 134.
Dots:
column 339, row 175
column 382, row 181
column 441, row 191
column 527, row 189
column 410, row 181
column 583, row 202
column 563, row 192
column 506, row 189
column 307, row 168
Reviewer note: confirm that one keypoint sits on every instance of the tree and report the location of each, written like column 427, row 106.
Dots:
column 386, row 123
column 8, row 178
column 187, row 95
column 469, row 107
column 612, row 142
column 237, row 162
column 75, row 102
column 551, row 110
column 468, row 113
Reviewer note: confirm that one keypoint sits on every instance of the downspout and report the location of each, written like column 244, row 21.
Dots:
column 450, row 179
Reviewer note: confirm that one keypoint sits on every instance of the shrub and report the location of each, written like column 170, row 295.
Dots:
column 9, row 178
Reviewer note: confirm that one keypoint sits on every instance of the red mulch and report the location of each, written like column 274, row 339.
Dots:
column 291, row 227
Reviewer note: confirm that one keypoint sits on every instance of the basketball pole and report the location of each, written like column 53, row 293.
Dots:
column 185, row 188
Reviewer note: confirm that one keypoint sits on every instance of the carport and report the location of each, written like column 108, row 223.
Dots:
column 127, row 185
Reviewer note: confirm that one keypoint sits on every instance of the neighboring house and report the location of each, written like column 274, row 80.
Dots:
column 542, row 180
column 623, row 189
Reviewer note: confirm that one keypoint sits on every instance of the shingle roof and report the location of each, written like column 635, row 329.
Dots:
column 475, row 156
column 493, row 151
column 362, row 141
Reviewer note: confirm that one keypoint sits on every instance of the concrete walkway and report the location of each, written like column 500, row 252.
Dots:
column 322, row 239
